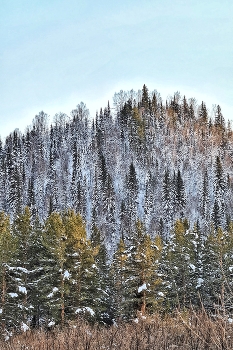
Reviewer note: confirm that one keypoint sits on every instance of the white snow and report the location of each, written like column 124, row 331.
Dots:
column 230, row 268
column 86, row 308
column 51, row 323
column 22, row 290
column 192, row 267
column 230, row 320
column 90, row 311
column 161, row 294
column 0, row 311
column 50, row 295
column 24, row 327
column 141, row 288
column 13, row 295
column 66, row 275
column 199, row 282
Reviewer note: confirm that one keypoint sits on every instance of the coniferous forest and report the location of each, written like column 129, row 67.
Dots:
column 116, row 218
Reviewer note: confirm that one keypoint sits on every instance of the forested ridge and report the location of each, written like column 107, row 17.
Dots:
column 117, row 217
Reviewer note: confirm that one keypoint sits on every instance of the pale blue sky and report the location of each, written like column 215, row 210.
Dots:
column 54, row 54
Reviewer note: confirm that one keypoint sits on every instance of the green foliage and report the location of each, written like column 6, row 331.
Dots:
column 53, row 272
column 7, row 251
column 137, row 284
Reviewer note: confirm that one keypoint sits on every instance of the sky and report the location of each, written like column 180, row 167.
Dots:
column 55, row 54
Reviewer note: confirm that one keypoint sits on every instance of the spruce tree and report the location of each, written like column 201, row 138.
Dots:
column 7, row 251
column 22, row 230
column 81, row 271
column 178, row 266
column 119, row 274
column 144, row 285
column 55, row 240
column 103, row 287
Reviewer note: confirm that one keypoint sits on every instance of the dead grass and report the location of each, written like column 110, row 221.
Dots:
column 191, row 330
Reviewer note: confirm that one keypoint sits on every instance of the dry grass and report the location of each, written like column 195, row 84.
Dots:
column 194, row 331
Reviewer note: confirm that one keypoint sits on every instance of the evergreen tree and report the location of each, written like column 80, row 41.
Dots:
column 81, row 272
column 180, row 199
column 203, row 114
column 103, row 283
column 54, row 239
column 167, row 200
column 219, row 119
column 219, row 193
column 119, row 274
column 22, row 230
column 145, row 97
column 213, row 288
column 205, row 197
column 144, row 284
column 7, row 251
column 178, row 266
column 131, row 198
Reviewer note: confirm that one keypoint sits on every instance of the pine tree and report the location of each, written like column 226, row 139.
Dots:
column 54, row 239
column 144, row 284
column 145, row 97
column 119, row 274
column 219, row 194
column 38, row 257
column 205, row 197
column 167, row 200
column 131, row 198
column 103, row 284
column 22, row 230
column 185, row 109
column 215, row 248
column 81, row 271
column 219, row 119
column 180, row 198
column 203, row 114
column 7, row 251
column 178, row 266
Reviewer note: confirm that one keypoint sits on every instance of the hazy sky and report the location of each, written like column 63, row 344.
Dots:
column 56, row 53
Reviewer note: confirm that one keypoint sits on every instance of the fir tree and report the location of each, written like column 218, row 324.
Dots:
column 119, row 274
column 144, row 285
column 54, row 239
column 7, row 251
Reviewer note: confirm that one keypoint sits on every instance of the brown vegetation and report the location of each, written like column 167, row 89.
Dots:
column 191, row 330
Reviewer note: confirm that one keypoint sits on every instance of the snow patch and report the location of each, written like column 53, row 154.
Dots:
column 50, row 295
column 13, row 295
column 199, row 282
column 141, row 288
column 85, row 309
column 192, row 267
column 51, row 323
column 24, row 327
column 66, row 275
column 161, row 294
column 22, row 290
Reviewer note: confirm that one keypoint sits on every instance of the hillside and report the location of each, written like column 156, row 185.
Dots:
column 128, row 214
column 145, row 160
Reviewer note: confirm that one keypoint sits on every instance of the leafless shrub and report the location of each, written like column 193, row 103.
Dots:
column 184, row 330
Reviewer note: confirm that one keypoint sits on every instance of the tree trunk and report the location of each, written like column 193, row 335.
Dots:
column 3, row 299
column 62, row 298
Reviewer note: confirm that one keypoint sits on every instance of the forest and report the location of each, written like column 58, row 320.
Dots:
column 117, row 218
